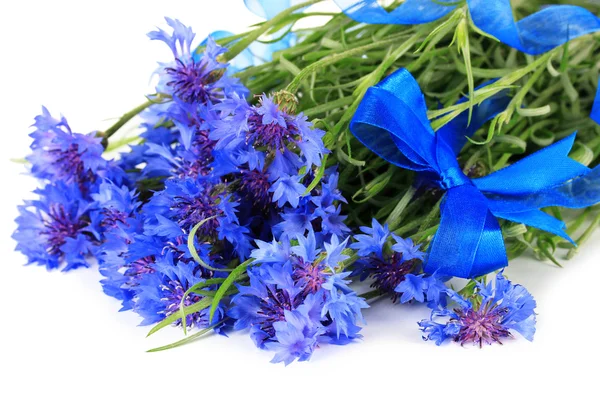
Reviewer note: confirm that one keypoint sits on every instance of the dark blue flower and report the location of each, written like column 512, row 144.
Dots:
column 389, row 266
column 296, row 336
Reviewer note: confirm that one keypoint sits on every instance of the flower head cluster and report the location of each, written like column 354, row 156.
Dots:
column 218, row 182
column 298, row 297
column 266, row 148
column 61, row 227
column 198, row 182
column 487, row 316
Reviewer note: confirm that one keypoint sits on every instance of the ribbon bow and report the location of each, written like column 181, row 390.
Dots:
column 391, row 120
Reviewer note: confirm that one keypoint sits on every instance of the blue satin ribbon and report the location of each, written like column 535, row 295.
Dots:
column 538, row 33
column 391, row 120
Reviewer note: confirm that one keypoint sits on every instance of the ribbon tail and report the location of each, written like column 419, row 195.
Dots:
column 540, row 220
column 551, row 167
column 410, row 12
column 538, row 33
column 469, row 241
column 595, row 115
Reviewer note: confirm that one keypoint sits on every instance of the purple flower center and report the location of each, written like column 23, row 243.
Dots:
column 273, row 135
column 190, row 82
column 59, row 226
column 483, row 325
column 139, row 267
column 256, row 184
column 309, row 275
column 111, row 218
column 273, row 306
column 189, row 211
column 69, row 165
column 199, row 164
column 389, row 273
column 173, row 293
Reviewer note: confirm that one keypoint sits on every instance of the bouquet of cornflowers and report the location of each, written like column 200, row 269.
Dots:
column 286, row 178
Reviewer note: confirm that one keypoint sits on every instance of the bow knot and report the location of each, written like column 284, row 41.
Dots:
column 454, row 177
column 391, row 120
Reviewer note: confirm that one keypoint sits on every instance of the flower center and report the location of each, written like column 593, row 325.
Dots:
column 273, row 307
column 256, row 185
column 310, row 276
column 273, row 135
column 198, row 164
column 60, row 226
column 173, row 293
column 483, row 325
column 112, row 217
column 390, row 273
column 190, row 211
column 190, row 82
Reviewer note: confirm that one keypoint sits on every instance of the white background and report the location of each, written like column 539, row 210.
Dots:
column 61, row 337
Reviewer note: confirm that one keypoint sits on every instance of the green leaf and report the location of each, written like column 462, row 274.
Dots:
column 187, row 339
column 318, row 176
column 195, row 288
column 233, row 276
column 192, row 248
column 199, row 306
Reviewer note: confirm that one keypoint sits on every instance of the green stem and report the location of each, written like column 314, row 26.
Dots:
column 332, row 105
column 442, row 116
column 371, row 294
column 251, row 37
column 393, row 219
column 334, row 58
column 124, row 119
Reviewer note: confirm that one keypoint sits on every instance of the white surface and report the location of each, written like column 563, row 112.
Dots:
column 61, row 337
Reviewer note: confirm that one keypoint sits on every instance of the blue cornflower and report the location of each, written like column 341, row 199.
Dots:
column 191, row 155
column 407, row 248
column 117, row 204
column 331, row 220
column 296, row 221
column 317, row 212
column 287, row 189
column 388, row 265
column 296, row 336
column 56, row 228
column 266, row 146
column 191, row 78
column 373, row 239
column 297, row 299
column 160, row 294
column 329, row 192
column 119, row 221
column 186, row 202
column 488, row 316
column 58, row 154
